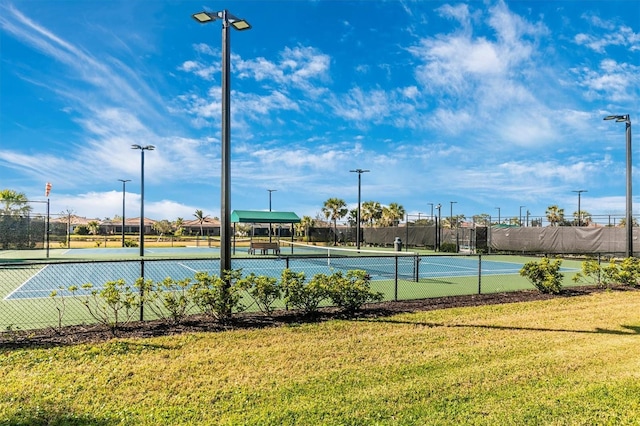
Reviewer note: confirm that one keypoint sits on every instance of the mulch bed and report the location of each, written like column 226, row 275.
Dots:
column 95, row 333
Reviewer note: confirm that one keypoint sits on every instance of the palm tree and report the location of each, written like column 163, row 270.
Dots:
column 582, row 218
column 177, row 226
column 623, row 222
column 386, row 218
column 457, row 220
column 93, row 227
column 395, row 213
column 200, row 216
column 303, row 226
column 482, row 219
column 370, row 212
column 334, row 209
column 352, row 218
column 14, row 203
column 555, row 215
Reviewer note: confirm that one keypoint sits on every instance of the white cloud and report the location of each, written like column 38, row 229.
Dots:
column 297, row 67
column 613, row 35
column 613, row 81
column 100, row 205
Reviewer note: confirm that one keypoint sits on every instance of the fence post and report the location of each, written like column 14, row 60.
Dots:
column 479, row 274
column 395, row 290
column 142, row 290
column 417, row 263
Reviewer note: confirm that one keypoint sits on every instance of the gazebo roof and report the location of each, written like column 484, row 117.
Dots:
column 251, row 216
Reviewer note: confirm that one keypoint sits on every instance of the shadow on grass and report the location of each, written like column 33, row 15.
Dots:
column 630, row 330
column 54, row 416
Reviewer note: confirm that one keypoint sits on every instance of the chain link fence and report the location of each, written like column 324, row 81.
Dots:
column 37, row 295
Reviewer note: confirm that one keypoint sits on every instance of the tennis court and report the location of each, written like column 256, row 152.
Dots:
column 26, row 286
column 39, row 280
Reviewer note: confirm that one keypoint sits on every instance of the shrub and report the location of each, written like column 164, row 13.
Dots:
column 448, row 247
column 591, row 272
column 263, row 290
column 545, row 276
column 352, row 291
column 217, row 297
column 60, row 304
column 81, row 230
column 305, row 297
column 168, row 299
column 626, row 272
column 113, row 305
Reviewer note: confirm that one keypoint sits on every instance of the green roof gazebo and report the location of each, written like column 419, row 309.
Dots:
column 253, row 216
column 259, row 216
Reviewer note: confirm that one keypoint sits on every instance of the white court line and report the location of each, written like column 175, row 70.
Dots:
column 188, row 268
column 448, row 265
column 24, row 283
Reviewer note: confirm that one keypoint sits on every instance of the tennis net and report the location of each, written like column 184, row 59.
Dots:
column 376, row 262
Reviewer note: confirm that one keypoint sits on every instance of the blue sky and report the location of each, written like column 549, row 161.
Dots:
column 485, row 103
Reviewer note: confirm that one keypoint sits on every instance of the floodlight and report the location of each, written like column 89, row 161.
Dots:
column 204, row 17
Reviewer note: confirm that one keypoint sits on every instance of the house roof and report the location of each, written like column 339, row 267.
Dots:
column 251, row 216
column 206, row 223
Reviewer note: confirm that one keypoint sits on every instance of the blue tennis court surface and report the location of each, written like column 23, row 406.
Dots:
column 46, row 278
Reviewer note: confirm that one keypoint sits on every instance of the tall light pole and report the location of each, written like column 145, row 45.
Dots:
column 431, row 205
column 124, row 181
column 225, row 204
column 439, row 227
column 629, row 217
column 142, row 150
column 359, row 172
column 270, row 191
column 498, row 215
column 47, row 230
column 520, row 215
column 579, row 191
column 451, row 203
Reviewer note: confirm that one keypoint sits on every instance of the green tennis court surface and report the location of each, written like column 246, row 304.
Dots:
column 39, row 280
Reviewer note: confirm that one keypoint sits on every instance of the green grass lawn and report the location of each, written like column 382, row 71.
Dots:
column 566, row 361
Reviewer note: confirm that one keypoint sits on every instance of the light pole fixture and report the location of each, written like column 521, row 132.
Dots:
column 579, row 191
column 359, row 172
column 629, row 217
column 270, row 191
column 451, row 203
column 124, row 181
column 225, row 204
column 520, row 215
column 498, row 215
column 142, row 150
